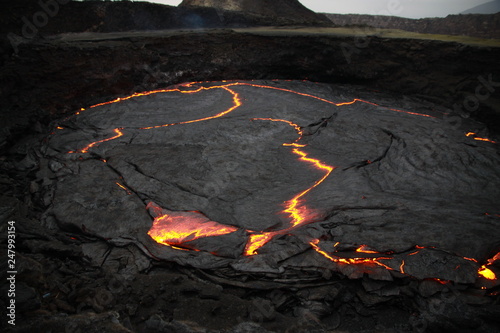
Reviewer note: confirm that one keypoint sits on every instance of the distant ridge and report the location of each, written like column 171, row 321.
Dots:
column 474, row 25
column 113, row 16
column 486, row 8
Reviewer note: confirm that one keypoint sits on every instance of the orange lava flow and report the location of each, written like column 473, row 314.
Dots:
column 349, row 261
column 258, row 240
column 473, row 135
column 85, row 150
column 470, row 259
column 145, row 93
column 364, row 249
column 375, row 104
column 282, row 89
column 402, row 267
column 123, row 187
column 485, row 140
column 294, row 207
column 487, row 273
column 484, row 271
column 236, row 104
column 330, row 102
column 181, row 227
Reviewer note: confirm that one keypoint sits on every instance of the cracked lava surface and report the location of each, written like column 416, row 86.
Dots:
column 269, row 176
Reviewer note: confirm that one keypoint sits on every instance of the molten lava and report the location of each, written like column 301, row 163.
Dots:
column 365, row 249
column 473, row 135
column 175, row 229
column 350, row 261
column 85, row 150
column 236, row 104
column 298, row 213
column 402, row 267
column 487, row 273
column 123, row 187
column 294, row 208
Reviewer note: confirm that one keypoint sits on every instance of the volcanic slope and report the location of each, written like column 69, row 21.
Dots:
column 290, row 9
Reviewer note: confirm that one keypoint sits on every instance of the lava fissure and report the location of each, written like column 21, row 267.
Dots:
column 349, row 261
column 86, row 149
column 474, row 136
column 294, row 207
column 123, row 187
column 482, row 271
column 338, row 104
column 236, row 104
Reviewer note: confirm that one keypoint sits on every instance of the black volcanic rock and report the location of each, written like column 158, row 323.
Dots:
column 291, row 10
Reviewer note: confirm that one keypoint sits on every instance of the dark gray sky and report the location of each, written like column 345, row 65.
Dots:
column 404, row 8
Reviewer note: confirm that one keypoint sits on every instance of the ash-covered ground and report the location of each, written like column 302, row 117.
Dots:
column 306, row 207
